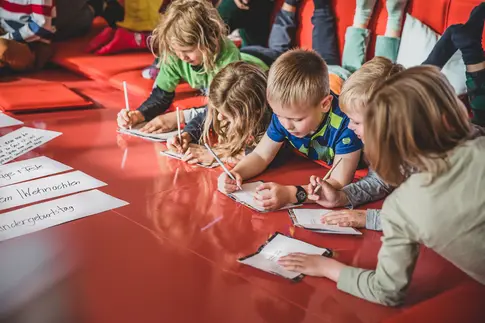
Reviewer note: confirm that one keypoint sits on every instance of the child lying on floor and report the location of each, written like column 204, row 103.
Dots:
column 307, row 115
column 236, row 119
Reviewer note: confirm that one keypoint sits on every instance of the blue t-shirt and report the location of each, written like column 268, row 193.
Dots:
column 331, row 138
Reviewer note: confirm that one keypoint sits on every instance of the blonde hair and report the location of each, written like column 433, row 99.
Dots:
column 188, row 23
column 413, row 120
column 357, row 90
column 238, row 92
column 299, row 77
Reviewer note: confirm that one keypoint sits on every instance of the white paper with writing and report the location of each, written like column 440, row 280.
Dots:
column 44, row 215
column 23, row 140
column 29, row 169
column 135, row 131
column 7, row 121
column 311, row 219
column 178, row 156
column 280, row 246
column 246, row 197
column 45, row 188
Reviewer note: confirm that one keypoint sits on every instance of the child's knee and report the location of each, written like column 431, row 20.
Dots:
column 17, row 56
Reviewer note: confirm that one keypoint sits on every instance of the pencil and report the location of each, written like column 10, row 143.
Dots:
column 127, row 103
column 178, row 125
column 328, row 174
column 222, row 165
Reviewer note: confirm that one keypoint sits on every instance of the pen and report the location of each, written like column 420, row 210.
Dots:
column 222, row 165
column 178, row 126
column 127, row 104
column 327, row 175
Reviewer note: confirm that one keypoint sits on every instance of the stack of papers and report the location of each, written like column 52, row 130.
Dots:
column 135, row 131
column 246, row 197
column 266, row 258
column 310, row 219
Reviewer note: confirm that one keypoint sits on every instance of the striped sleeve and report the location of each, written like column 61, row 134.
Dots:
column 28, row 20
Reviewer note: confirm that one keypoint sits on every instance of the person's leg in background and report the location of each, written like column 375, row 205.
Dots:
column 357, row 36
column 251, row 17
column 324, row 37
column 74, row 17
column 282, row 34
column 388, row 45
column 468, row 39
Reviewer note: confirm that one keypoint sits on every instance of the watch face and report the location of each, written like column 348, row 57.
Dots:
column 301, row 196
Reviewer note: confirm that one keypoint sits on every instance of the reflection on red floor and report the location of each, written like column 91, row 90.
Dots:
column 170, row 256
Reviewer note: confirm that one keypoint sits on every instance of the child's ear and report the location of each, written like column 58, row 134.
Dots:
column 326, row 103
column 446, row 123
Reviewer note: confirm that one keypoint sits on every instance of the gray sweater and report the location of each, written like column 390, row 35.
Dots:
column 446, row 215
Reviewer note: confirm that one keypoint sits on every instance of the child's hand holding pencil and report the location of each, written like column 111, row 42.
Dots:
column 321, row 192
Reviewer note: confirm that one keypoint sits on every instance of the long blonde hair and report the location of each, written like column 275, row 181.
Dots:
column 413, row 120
column 238, row 92
column 188, row 23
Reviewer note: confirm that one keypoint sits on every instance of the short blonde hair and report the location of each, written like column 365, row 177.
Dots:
column 357, row 90
column 298, row 77
column 238, row 91
column 189, row 23
column 412, row 121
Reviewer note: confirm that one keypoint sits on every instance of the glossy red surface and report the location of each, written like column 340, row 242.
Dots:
column 157, row 260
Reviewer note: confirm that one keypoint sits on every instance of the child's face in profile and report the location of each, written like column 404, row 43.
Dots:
column 356, row 123
column 189, row 54
column 301, row 121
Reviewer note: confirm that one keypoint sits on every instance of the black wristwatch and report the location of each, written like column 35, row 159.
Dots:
column 301, row 195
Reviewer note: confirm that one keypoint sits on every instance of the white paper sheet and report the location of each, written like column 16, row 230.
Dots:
column 246, row 197
column 44, row 215
column 23, row 140
column 311, row 219
column 7, row 121
column 45, row 188
column 29, row 169
column 159, row 137
column 178, row 156
column 279, row 246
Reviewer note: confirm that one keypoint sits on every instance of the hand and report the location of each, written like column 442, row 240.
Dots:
column 272, row 196
column 346, row 218
column 162, row 123
column 327, row 195
column 198, row 154
column 227, row 185
column 312, row 265
column 242, row 4
column 127, row 119
column 174, row 143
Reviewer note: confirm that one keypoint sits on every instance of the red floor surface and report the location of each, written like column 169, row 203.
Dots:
column 155, row 260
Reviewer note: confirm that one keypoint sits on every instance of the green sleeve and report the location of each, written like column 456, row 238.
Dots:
column 397, row 257
column 169, row 76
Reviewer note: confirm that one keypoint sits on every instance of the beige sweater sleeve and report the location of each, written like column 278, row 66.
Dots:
column 397, row 257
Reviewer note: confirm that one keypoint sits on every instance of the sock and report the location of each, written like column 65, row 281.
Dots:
column 468, row 38
column 101, row 39
column 319, row 4
column 395, row 13
column 363, row 12
column 124, row 40
column 476, row 93
column 443, row 50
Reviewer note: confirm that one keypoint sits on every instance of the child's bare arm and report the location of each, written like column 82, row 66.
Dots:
column 257, row 161
column 344, row 172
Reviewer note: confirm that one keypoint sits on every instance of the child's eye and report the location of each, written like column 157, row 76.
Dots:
column 297, row 120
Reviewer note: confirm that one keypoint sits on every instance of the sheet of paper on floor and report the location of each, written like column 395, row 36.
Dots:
column 23, row 140
column 246, row 197
column 135, row 131
column 278, row 246
column 7, row 121
column 45, row 188
column 178, row 156
column 44, row 215
column 311, row 219
column 25, row 170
